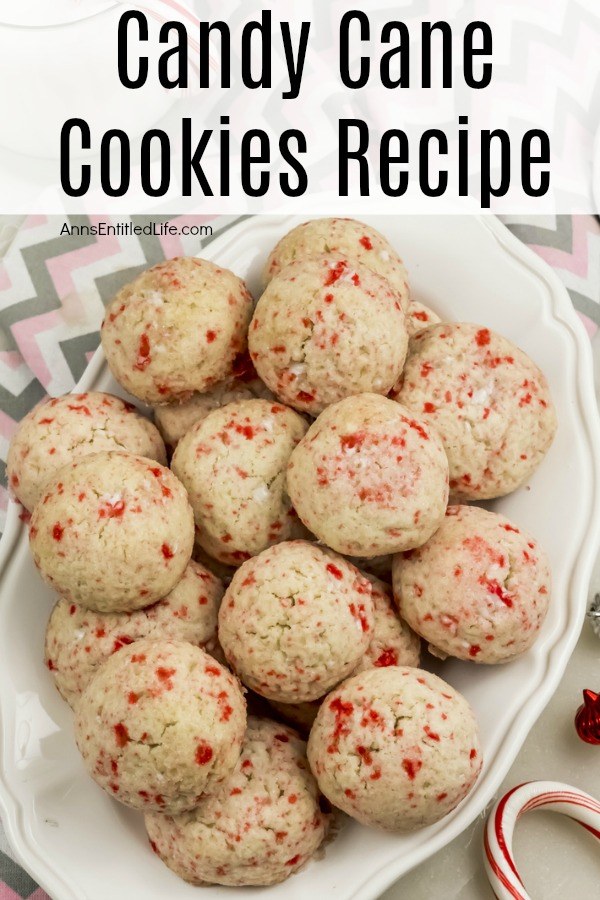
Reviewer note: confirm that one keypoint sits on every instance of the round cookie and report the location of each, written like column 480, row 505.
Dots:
column 62, row 429
column 160, row 724
column 295, row 621
column 177, row 328
column 233, row 465
column 175, row 419
column 478, row 589
column 418, row 317
column 259, row 827
column 113, row 532
column 395, row 748
column 78, row 640
column 369, row 477
column 393, row 642
column 345, row 237
column 487, row 399
column 325, row 328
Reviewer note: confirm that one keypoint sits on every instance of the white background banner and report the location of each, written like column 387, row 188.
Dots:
column 401, row 142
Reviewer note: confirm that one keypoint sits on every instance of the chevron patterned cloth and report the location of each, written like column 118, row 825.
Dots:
column 53, row 290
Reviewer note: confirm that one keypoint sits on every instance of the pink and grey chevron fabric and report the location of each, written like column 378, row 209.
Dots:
column 53, row 291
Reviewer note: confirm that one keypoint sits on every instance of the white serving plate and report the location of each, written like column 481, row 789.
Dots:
column 81, row 845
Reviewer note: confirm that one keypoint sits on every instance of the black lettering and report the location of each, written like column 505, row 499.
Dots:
column 469, row 51
column 445, row 53
column 248, row 159
column 365, row 64
column 123, row 162
column 426, row 138
column 295, row 66
column 404, row 60
column 293, row 162
column 264, row 54
column 386, row 160
column 146, row 163
column 65, row 157
column 345, row 155
column 527, row 160
column 122, row 56
column 191, row 162
column 487, row 189
column 224, row 53
column 179, row 52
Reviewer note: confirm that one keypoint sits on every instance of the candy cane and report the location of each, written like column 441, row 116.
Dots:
column 498, row 835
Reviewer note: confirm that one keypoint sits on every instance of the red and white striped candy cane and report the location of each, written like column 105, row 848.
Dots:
column 498, row 835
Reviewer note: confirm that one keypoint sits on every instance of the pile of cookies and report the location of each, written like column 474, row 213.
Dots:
column 293, row 556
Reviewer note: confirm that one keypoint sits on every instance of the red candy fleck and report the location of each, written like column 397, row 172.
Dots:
column 421, row 316
column 305, row 396
column 211, row 336
column 165, row 674
column 293, row 860
column 246, row 430
column 473, row 753
column 132, row 697
column 204, row 754
column 72, row 609
column 335, row 273
column 431, row 734
column 483, row 337
column 349, row 441
column 46, row 421
column 121, row 734
column 333, row 570
column 428, row 408
column 441, row 797
column 366, row 242
column 143, row 357
column 496, row 589
column 411, row 767
column 51, row 665
column 122, row 641
column 110, row 510
column 419, row 429
column 387, row 658
column 166, row 551
column 360, row 615
column 282, row 737
column 58, row 531
column 365, row 755
column 474, row 650
column 234, row 792
column 292, row 798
